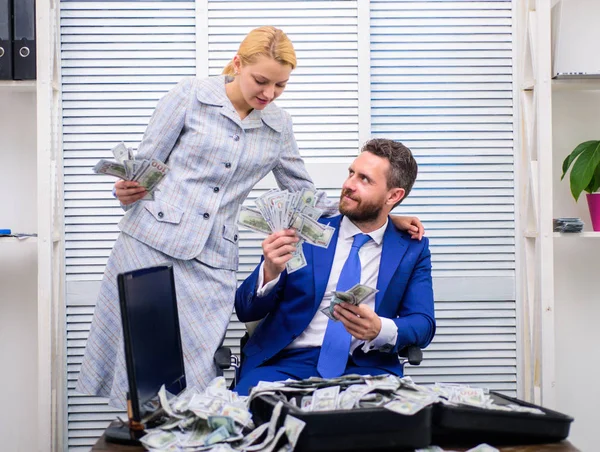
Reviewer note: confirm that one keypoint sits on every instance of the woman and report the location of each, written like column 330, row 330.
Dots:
column 220, row 136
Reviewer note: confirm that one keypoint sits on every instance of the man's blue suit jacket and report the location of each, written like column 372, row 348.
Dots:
column 405, row 296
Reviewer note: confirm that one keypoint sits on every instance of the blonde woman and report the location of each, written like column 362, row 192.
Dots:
column 220, row 136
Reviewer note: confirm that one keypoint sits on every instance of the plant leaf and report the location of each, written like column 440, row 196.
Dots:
column 594, row 184
column 584, row 168
column 573, row 155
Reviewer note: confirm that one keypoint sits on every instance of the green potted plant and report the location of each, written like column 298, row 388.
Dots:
column 585, row 176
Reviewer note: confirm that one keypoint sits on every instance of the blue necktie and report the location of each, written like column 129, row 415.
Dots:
column 336, row 343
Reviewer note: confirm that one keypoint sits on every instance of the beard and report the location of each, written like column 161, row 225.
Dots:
column 363, row 212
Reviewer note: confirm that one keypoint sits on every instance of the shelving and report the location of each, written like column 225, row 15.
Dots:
column 587, row 234
column 579, row 84
column 18, row 86
column 17, row 239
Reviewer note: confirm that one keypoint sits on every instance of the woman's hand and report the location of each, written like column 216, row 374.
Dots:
column 412, row 225
column 129, row 192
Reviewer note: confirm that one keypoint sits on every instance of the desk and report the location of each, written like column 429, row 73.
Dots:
column 563, row 446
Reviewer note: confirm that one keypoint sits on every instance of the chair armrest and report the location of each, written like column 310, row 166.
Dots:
column 413, row 353
column 222, row 357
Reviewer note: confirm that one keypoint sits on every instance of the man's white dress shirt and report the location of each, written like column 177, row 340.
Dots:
column 370, row 257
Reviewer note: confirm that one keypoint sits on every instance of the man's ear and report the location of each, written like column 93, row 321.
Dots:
column 395, row 195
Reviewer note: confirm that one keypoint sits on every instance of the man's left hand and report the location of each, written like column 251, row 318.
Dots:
column 360, row 321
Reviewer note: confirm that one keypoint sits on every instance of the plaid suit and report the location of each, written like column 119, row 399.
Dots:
column 215, row 160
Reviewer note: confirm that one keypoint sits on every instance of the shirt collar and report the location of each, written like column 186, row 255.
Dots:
column 211, row 91
column 349, row 230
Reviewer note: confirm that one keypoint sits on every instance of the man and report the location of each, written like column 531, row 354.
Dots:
column 295, row 339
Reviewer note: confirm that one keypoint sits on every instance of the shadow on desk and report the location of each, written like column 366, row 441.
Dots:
column 564, row 446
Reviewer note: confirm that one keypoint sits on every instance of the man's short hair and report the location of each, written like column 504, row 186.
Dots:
column 403, row 166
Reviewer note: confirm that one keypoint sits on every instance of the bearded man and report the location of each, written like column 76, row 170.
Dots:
column 295, row 339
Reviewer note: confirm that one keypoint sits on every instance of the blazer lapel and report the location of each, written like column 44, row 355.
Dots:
column 323, row 260
column 394, row 247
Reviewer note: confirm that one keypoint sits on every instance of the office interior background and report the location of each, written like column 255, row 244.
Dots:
column 465, row 84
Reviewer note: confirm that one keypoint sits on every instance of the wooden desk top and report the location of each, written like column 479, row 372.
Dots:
column 564, row 446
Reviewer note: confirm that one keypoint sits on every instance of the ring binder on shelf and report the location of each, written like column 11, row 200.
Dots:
column 24, row 54
column 6, row 63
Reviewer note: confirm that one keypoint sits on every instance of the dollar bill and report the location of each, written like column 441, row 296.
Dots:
column 253, row 219
column 149, row 173
column 316, row 233
column 111, row 169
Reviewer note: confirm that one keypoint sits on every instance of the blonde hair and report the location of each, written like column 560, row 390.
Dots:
column 264, row 41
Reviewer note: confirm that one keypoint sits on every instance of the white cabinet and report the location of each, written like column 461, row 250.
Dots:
column 31, row 269
column 560, row 288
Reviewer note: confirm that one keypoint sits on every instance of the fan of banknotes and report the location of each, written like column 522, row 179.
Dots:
column 281, row 209
column 355, row 296
column 148, row 173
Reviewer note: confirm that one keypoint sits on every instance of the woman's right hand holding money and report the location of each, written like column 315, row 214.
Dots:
column 277, row 249
column 128, row 192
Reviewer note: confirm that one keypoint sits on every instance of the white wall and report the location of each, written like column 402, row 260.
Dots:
column 576, row 118
column 18, row 272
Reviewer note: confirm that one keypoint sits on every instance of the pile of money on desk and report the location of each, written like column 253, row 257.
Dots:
column 217, row 419
column 567, row 224
column 279, row 210
column 148, row 173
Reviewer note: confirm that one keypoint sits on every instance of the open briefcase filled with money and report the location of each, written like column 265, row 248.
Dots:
column 355, row 429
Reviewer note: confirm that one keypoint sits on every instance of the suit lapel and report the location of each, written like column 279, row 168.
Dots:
column 323, row 260
column 394, row 247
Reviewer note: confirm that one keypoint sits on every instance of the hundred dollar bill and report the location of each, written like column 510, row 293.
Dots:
column 253, row 220
column 111, row 169
column 121, row 153
column 316, row 233
column 297, row 261
column 158, row 440
column 152, row 175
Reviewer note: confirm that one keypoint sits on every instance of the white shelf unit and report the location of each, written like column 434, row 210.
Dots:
column 32, row 294
column 558, row 285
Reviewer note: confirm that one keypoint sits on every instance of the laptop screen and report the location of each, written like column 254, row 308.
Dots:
column 153, row 350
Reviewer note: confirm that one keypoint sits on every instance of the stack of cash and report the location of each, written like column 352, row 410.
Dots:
column 567, row 224
column 148, row 173
column 355, row 296
column 218, row 420
column 278, row 210
column 398, row 394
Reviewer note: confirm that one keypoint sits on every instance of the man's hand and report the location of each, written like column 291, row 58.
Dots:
column 129, row 192
column 360, row 321
column 277, row 249
column 412, row 225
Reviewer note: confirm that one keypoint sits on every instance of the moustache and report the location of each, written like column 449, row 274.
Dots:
column 348, row 193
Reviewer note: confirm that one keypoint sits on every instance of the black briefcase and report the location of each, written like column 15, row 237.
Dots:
column 359, row 429
column 465, row 425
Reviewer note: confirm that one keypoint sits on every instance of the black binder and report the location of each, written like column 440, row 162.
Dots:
column 6, row 63
column 24, row 54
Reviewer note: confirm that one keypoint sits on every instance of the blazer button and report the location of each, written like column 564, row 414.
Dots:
column 160, row 214
column 216, row 189
column 235, row 237
column 206, row 216
column 236, row 138
column 227, row 165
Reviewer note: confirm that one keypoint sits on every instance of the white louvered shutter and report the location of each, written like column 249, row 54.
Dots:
column 441, row 82
column 118, row 59
column 322, row 94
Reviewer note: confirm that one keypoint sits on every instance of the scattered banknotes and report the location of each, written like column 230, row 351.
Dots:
column 280, row 209
column 148, row 173
column 355, row 296
column 217, row 419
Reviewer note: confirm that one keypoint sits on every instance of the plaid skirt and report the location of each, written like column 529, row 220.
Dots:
column 205, row 297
